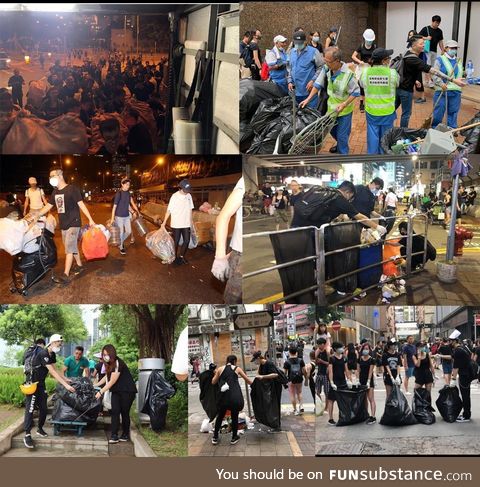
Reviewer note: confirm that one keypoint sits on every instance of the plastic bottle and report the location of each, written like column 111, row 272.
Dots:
column 470, row 69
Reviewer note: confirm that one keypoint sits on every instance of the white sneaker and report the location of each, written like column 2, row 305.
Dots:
column 296, row 413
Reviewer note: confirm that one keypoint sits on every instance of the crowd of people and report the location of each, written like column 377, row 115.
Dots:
column 324, row 77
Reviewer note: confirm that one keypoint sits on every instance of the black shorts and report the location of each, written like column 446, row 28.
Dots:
column 352, row 366
column 388, row 381
column 364, row 383
column 423, row 378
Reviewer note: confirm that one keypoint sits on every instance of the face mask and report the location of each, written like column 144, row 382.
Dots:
column 452, row 52
column 315, row 39
column 106, row 358
column 368, row 43
column 374, row 191
column 298, row 45
column 54, row 181
column 424, row 349
column 340, row 350
column 365, row 352
column 281, row 49
column 55, row 349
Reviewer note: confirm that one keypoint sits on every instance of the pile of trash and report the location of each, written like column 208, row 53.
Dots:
column 400, row 140
column 206, row 207
column 161, row 244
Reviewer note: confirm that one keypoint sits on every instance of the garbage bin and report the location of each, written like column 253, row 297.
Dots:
column 145, row 368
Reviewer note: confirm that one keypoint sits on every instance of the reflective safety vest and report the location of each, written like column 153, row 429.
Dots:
column 451, row 70
column 380, row 86
column 338, row 92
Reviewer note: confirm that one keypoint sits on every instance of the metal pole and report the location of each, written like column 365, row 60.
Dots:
column 409, row 244
column 320, row 265
column 453, row 216
column 247, row 392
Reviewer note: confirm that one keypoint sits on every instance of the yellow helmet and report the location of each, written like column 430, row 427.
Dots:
column 29, row 388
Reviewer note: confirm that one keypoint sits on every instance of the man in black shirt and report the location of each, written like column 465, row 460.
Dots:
column 68, row 201
column 461, row 369
column 434, row 34
column 39, row 361
column 366, row 196
column 16, row 82
column 139, row 140
column 256, row 66
column 294, row 368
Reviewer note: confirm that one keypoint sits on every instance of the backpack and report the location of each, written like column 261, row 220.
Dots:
column 282, row 378
column 28, row 359
column 247, row 56
column 265, row 72
column 314, row 203
column 398, row 64
column 296, row 376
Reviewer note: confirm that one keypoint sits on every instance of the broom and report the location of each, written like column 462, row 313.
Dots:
column 427, row 123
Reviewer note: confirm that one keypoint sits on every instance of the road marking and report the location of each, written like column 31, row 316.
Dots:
column 297, row 452
column 269, row 299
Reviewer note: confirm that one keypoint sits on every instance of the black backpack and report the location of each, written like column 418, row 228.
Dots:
column 398, row 64
column 296, row 376
column 314, row 203
column 28, row 359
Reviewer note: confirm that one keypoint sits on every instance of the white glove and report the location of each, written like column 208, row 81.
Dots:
column 225, row 387
column 333, row 386
column 221, row 268
column 381, row 230
column 398, row 381
column 349, row 384
column 453, row 383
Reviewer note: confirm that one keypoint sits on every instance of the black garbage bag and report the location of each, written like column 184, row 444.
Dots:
column 265, row 395
column 83, row 399
column 292, row 246
column 449, row 403
column 340, row 237
column 471, row 135
column 29, row 268
column 209, row 394
column 396, row 133
column 397, row 411
column 63, row 412
column 352, row 406
column 155, row 405
column 422, row 406
column 252, row 93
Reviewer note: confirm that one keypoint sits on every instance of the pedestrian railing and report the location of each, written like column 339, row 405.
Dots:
column 318, row 258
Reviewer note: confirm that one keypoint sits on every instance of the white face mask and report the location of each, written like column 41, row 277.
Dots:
column 55, row 349
column 106, row 358
column 54, row 181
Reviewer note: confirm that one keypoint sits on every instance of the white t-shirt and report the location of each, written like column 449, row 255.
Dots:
column 180, row 357
column 236, row 242
column 35, row 196
column 180, row 207
column 391, row 199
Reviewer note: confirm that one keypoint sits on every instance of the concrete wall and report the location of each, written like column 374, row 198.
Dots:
column 283, row 17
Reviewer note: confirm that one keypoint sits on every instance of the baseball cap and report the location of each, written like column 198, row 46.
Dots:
column 299, row 36
column 381, row 53
column 451, row 43
column 279, row 38
column 256, row 355
column 55, row 338
column 333, row 29
column 185, row 185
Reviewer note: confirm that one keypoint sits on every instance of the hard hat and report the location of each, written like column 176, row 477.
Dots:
column 369, row 35
column 29, row 388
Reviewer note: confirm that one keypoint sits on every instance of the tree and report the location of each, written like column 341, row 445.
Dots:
column 25, row 323
column 327, row 314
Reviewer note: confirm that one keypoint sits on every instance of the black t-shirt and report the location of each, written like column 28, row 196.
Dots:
column 294, row 197
column 336, row 207
column 393, row 361
column 125, row 382
column 445, row 350
column 477, row 353
column 364, row 53
column 66, row 201
column 254, row 47
column 288, row 367
column 318, row 47
column 365, row 369
column 267, row 368
column 461, row 360
column 322, row 368
column 40, row 362
column 436, row 34
column 16, row 82
column 280, row 203
column 338, row 369
column 364, row 200
column 139, row 139
column 413, row 67
column 98, row 367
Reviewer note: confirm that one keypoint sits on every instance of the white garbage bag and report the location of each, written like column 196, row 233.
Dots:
column 161, row 244
column 12, row 234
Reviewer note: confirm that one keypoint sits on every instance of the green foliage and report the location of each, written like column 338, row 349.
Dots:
column 327, row 314
column 10, row 380
column 22, row 324
column 177, row 416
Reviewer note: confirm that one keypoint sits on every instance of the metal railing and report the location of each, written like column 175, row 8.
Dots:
column 320, row 255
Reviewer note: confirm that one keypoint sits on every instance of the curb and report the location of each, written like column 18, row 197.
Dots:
column 7, row 435
column 142, row 448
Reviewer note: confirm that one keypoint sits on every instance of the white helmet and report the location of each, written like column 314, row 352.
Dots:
column 369, row 35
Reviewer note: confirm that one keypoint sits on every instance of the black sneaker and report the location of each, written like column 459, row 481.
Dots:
column 462, row 419
column 183, row 260
column 333, row 150
column 235, row 439
column 124, row 438
column 113, row 439
column 28, row 442
column 63, row 280
column 42, row 433
column 214, row 440
column 371, row 420
column 331, row 422
column 177, row 261
column 123, row 251
column 78, row 269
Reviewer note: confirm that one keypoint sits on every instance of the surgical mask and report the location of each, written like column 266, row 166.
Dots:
column 368, row 43
column 340, row 350
column 452, row 52
column 365, row 352
column 54, row 181
column 315, row 39
column 106, row 358
column 281, row 49
column 375, row 191
column 298, row 45
column 55, row 349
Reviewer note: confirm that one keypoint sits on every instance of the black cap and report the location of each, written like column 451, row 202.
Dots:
column 299, row 36
column 333, row 29
column 185, row 185
column 256, row 355
column 380, row 53
column 363, row 340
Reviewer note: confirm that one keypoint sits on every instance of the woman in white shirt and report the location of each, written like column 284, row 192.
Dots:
column 391, row 200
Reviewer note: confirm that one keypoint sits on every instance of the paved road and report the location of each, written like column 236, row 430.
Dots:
column 441, row 438
column 137, row 277
column 421, row 289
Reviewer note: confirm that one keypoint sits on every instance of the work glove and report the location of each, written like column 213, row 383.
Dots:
column 349, row 384
column 453, row 383
column 381, row 230
column 398, row 381
column 333, row 386
column 221, row 268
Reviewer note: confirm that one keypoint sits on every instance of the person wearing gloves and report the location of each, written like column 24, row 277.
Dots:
column 366, row 364
column 424, row 367
column 449, row 93
column 276, row 59
column 342, row 89
column 361, row 56
column 461, row 375
column 226, row 267
column 40, row 365
column 391, row 362
column 68, row 201
column 304, row 66
column 180, row 209
column 339, row 377
column 379, row 83
column 119, row 381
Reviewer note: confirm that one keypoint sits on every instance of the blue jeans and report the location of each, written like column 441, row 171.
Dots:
column 341, row 133
column 313, row 101
column 454, row 102
column 125, row 226
column 404, row 98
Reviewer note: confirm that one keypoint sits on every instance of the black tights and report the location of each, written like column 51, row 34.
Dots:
column 185, row 234
column 121, row 405
column 221, row 415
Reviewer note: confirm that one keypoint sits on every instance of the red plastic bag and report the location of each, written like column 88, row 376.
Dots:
column 94, row 244
column 265, row 72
